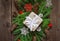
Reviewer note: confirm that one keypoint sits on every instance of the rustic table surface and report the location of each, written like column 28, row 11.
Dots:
column 7, row 8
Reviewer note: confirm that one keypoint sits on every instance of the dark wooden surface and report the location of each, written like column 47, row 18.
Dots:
column 7, row 8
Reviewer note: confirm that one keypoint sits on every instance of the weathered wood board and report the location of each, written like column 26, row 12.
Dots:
column 6, row 10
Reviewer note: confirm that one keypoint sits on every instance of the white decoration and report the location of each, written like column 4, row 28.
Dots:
column 41, row 15
column 33, row 21
column 39, row 29
column 49, row 3
column 24, row 31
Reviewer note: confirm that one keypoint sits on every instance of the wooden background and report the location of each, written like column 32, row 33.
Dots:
column 7, row 8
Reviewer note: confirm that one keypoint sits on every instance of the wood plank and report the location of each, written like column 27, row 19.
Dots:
column 58, row 22
column 5, row 20
column 54, row 32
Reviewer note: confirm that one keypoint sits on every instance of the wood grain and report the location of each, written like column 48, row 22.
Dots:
column 5, row 20
column 6, row 10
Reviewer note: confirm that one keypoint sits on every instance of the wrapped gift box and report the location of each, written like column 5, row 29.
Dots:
column 33, row 21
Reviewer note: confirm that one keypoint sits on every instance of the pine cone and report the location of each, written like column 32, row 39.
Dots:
column 35, row 7
column 15, row 2
column 14, row 14
column 13, row 27
column 34, row 38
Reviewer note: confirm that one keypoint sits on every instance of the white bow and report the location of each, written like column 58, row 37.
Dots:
column 32, row 22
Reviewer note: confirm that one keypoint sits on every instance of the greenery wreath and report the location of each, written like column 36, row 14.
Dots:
column 25, row 31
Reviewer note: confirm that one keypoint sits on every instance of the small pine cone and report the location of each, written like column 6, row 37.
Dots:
column 34, row 38
column 35, row 7
column 14, row 14
column 15, row 2
column 47, row 32
column 13, row 27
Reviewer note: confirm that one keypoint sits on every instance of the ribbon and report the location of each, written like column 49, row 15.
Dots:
column 32, row 23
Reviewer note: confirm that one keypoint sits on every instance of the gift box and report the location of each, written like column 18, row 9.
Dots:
column 33, row 21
